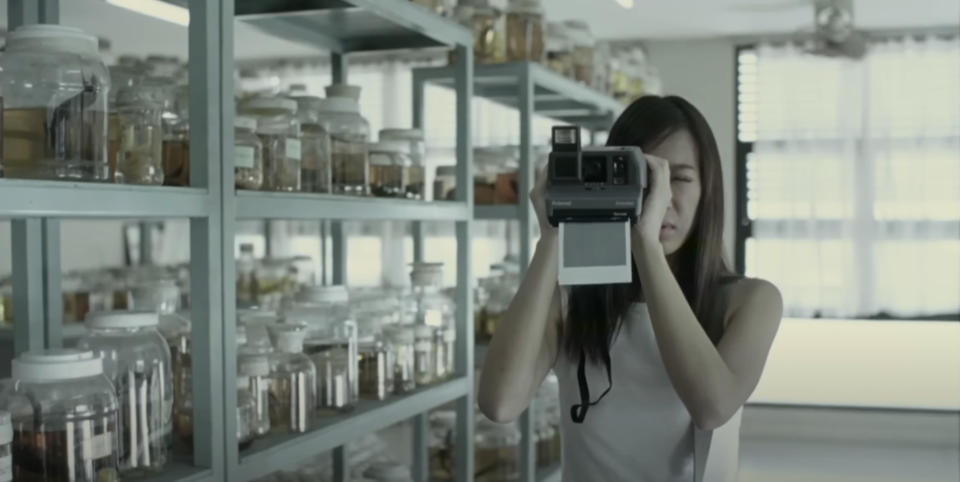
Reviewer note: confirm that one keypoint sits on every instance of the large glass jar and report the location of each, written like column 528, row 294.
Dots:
column 389, row 167
column 176, row 131
column 81, row 295
column 559, row 49
column 279, row 131
column 349, row 133
column 315, row 165
column 401, row 339
column 425, row 353
column 65, row 421
column 497, row 455
column 139, row 137
column 333, row 375
column 55, row 90
column 137, row 360
column 445, row 183
column 416, row 174
column 6, row 437
column 375, row 363
column 584, row 50
column 325, row 311
column 247, row 154
column 254, row 367
column 293, row 380
column 489, row 43
column 525, row 32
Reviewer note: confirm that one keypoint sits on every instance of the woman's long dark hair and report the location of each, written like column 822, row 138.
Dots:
column 595, row 312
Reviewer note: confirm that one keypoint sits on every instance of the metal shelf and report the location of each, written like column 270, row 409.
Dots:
column 260, row 205
column 275, row 451
column 23, row 199
column 353, row 25
column 504, row 212
column 554, row 95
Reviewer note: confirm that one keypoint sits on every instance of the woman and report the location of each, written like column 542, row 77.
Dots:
column 680, row 348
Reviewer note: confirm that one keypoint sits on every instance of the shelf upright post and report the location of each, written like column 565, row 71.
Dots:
column 528, row 465
column 419, row 87
column 338, row 64
column 464, row 466
column 28, row 291
column 53, row 293
column 210, row 50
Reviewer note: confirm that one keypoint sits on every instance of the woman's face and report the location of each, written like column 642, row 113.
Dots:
column 681, row 151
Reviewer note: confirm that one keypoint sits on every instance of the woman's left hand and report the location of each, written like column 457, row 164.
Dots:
column 655, row 202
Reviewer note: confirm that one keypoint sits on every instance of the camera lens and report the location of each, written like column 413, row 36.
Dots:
column 594, row 169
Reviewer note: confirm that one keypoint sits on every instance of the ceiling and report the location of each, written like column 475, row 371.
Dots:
column 649, row 19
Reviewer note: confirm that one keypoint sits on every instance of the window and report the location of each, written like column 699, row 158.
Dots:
column 852, row 176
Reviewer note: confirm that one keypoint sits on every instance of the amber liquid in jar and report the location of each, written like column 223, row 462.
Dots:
column 86, row 454
column 525, row 37
column 416, row 178
column 315, row 165
column 176, row 162
column 59, row 144
column 348, row 166
column 386, row 180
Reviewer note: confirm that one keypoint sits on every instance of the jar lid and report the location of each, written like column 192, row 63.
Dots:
column 122, row 319
column 249, row 123
column 526, row 6
column 324, row 294
column 402, row 334
column 401, row 134
column 390, row 146
column 343, row 91
column 424, row 331
column 339, row 104
column 426, row 274
column 387, row 472
column 287, row 337
column 6, row 428
column 270, row 105
column 253, row 364
column 56, row 365
column 449, row 334
column 27, row 34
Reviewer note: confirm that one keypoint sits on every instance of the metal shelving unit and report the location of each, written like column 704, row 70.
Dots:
column 531, row 89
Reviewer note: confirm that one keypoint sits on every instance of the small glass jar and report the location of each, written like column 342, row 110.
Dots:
column 401, row 339
column 375, row 362
column 387, row 472
column 332, row 361
column 445, row 341
column 176, row 131
column 424, row 350
column 416, row 174
column 55, row 91
column 6, row 436
column 445, row 183
column 246, row 414
column 274, row 282
column 279, row 132
column 349, row 134
column 525, row 32
column 497, row 455
column 253, row 367
column 584, row 50
column 64, row 413
column 247, row 154
column 315, row 165
column 293, row 380
column 326, row 313
column 136, row 359
column 559, row 49
column 140, row 136
column 160, row 296
column 389, row 167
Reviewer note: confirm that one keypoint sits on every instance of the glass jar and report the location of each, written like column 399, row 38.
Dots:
column 424, row 349
column 176, row 132
column 375, row 363
column 333, row 375
column 445, row 340
column 253, row 365
column 139, row 137
column 349, row 134
column 325, row 311
column 387, row 472
column 274, row 282
column 55, row 90
column 279, row 131
column 315, row 165
column 416, row 174
column 443, row 424
column 246, row 414
column 6, row 304
column 489, row 43
column 137, row 360
column 247, row 154
column 389, row 167
column 431, row 306
column 160, row 296
column 584, row 50
column 525, row 39
column 487, row 163
column 293, row 380
column 246, row 277
column 6, row 436
column 64, row 415
column 497, row 455
column 559, row 49
column 445, row 183
column 343, row 90
column 81, row 295
column 481, row 296
column 401, row 339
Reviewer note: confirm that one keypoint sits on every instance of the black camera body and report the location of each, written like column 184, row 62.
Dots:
column 599, row 184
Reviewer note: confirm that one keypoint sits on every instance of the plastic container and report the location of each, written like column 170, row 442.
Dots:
column 387, row 472
column 247, row 154
column 425, row 355
column 54, row 91
column 137, row 361
column 64, row 414
column 401, row 339
column 584, row 50
column 253, row 366
column 525, row 31
column 389, row 167
column 315, row 162
column 559, row 46
column 293, row 380
column 139, row 147
column 279, row 132
column 445, row 183
column 375, row 369
column 497, row 451
column 416, row 174
column 349, row 134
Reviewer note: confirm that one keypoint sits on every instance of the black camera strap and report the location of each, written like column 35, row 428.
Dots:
column 578, row 412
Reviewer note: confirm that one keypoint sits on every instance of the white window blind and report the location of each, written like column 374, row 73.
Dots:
column 853, row 177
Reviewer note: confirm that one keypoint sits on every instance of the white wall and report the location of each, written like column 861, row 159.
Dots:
column 83, row 245
column 704, row 72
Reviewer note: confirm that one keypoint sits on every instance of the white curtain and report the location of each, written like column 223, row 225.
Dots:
column 854, row 177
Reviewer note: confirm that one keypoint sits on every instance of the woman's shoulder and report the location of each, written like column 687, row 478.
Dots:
column 740, row 290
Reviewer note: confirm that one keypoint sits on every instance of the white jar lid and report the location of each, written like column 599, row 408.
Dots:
column 339, row 104
column 390, row 146
column 249, row 123
column 6, row 428
column 56, row 365
column 324, row 294
column 31, row 34
column 343, row 90
column 387, row 471
column 402, row 334
column 526, row 6
column 253, row 364
column 122, row 319
column 288, row 337
column 424, row 331
column 401, row 134
column 278, row 104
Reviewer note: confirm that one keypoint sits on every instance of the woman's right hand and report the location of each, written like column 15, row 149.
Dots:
column 538, row 197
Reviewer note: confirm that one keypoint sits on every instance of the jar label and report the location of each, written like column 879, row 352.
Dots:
column 6, row 469
column 292, row 148
column 243, row 157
